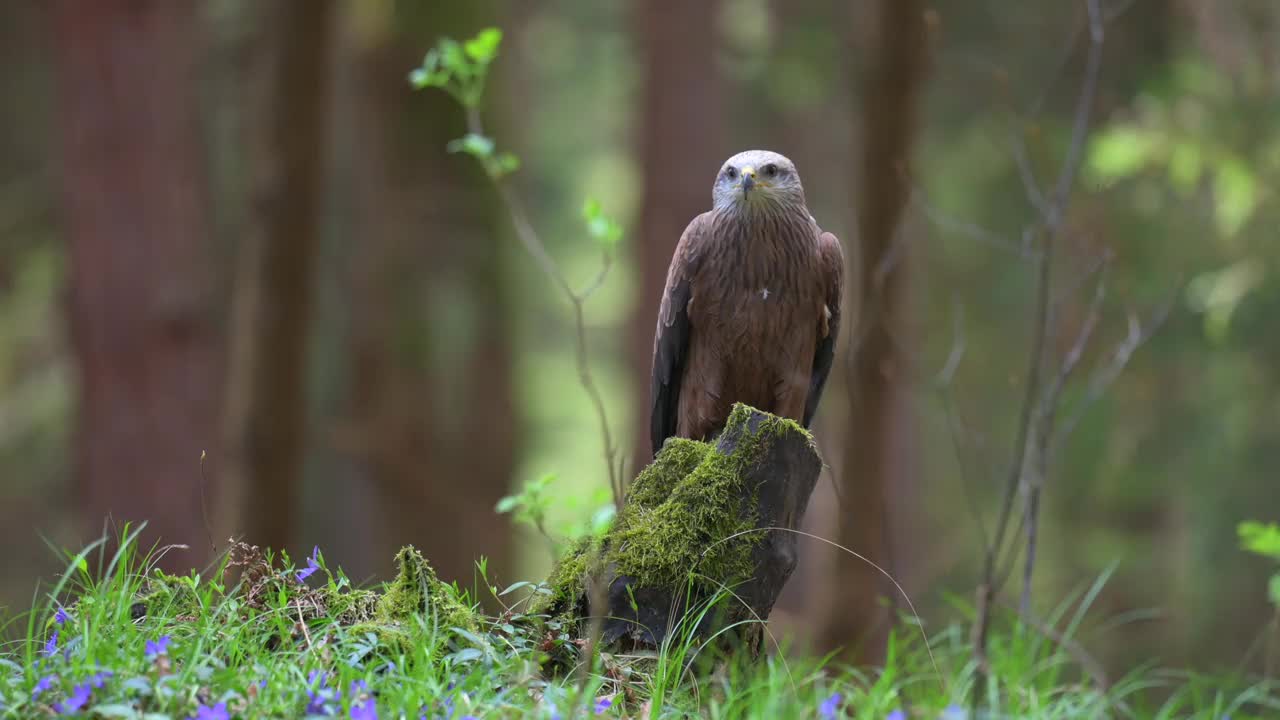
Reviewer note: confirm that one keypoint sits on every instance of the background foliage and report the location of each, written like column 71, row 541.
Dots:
column 439, row 368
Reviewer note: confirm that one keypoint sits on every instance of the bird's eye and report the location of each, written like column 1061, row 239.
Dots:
column 770, row 170
column 731, row 173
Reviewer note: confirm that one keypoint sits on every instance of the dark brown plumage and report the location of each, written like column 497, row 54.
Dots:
column 751, row 310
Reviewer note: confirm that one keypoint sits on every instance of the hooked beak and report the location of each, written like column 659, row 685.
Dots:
column 748, row 179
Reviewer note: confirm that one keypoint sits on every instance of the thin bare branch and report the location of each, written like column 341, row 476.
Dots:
column 1051, row 226
column 1030, row 186
column 1138, row 334
column 955, row 226
column 533, row 244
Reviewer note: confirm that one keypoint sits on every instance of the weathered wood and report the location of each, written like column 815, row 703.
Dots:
column 697, row 520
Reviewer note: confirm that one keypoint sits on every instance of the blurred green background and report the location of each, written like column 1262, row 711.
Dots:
column 152, row 150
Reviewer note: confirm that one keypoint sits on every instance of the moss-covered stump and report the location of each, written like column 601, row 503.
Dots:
column 696, row 521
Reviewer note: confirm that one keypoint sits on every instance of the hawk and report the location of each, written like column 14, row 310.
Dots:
column 751, row 308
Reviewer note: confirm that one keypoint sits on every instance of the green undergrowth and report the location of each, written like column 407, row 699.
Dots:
column 251, row 639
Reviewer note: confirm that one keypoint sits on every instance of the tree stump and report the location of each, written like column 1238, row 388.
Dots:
column 696, row 522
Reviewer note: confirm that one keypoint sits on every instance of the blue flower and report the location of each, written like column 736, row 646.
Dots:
column 322, row 699
column 97, row 680
column 78, row 699
column 214, row 712
column 896, row 715
column 603, row 704
column 365, row 710
column 51, row 645
column 953, row 712
column 313, row 564
column 43, row 684
column 156, row 648
column 830, row 707
column 61, row 615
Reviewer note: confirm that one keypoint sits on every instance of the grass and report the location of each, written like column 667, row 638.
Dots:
column 114, row 638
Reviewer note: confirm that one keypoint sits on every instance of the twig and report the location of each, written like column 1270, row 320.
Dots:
column 528, row 237
column 1044, row 434
column 1138, row 334
column 1052, row 221
column 204, row 510
column 306, row 634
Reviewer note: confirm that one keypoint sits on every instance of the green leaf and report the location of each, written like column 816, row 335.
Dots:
column 1263, row 539
column 602, row 228
column 1185, row 166
column 503, row 164
column 483, row 48
column 1236, row 196
column 1119, row 152
column 114, row 711
column 452, row 57
column 1273, row 590
column 465, row 655
column 602, row 520
column 514, row 587
column 507, row 504
column 472, row 144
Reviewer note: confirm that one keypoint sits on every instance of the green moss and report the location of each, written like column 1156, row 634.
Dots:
column 679, row 521
column 566, row 579
column 678, row 458
column 352, row 606
column 170, row 595
column 417, row 590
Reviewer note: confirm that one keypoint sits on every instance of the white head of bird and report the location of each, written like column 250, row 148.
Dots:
column 757, row 180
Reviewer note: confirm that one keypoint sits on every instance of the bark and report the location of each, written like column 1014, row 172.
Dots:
column 682, row 144
column 431, row 415
column 140, row 268
column 859, row 624
column 267, row 389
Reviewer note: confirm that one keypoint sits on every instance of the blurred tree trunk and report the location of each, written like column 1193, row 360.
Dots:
column 431, row 411
column 266, row 386
column 859, row 622
column 141, row 298
column 683, row 140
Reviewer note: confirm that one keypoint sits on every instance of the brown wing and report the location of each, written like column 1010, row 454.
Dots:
column 671, row 340
column 832, row 268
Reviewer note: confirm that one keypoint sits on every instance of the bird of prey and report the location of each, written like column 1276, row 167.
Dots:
column 751, row 308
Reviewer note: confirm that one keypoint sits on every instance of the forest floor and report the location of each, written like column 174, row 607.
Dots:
column 261, row 637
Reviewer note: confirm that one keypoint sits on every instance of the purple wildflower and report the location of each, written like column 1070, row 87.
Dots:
column 51, row 646
column 61, row 615
column 78, row 698
column 156, row 648
column 97, row 680
column 322, row 698
column 43, row 684
column 830, row 707
column 602, row 704
column 896, row 715
column 313, row 564
column 212, row 712
column 364, row 710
